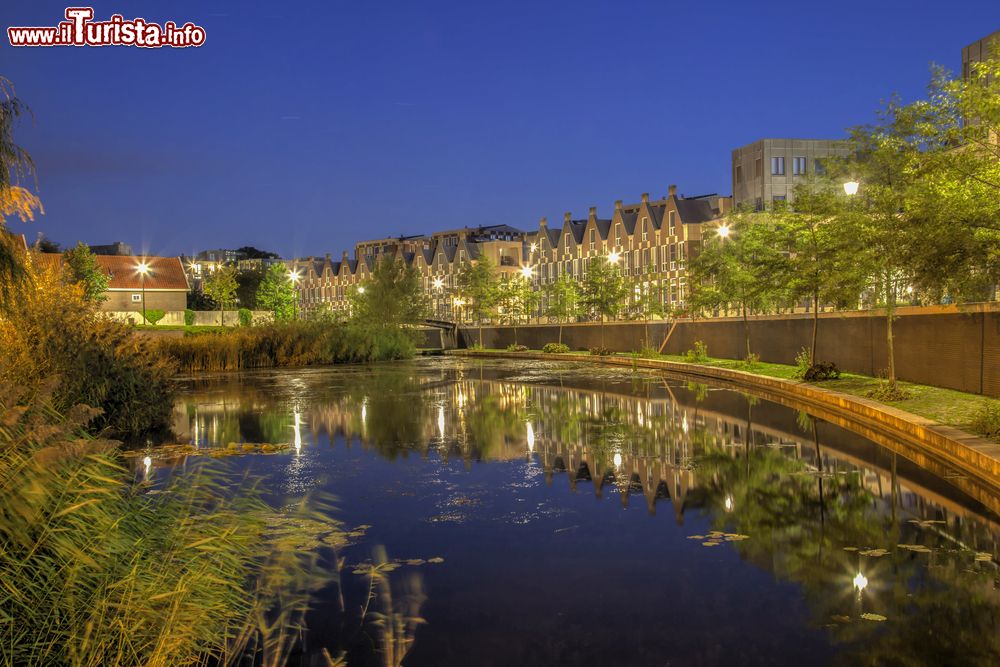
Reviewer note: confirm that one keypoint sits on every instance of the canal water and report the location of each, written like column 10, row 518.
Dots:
column 548, row 513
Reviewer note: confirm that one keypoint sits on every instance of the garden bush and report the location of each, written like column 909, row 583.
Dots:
column 599, row 351
column 514, row 347
column 188, row 317
column 154, row 316
column 555, row 348
column 824, row 370
column 698, row 355
column 245, row 317
column 986, row 421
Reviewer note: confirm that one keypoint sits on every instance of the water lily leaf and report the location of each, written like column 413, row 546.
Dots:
column 983, row 556
column 850, row 548
column 436, row 559
column 737, row 538
column 873, row 617
column 696, row 537
column 840, row 618
column 874, row 553
column 415, row 561
column 711, row 544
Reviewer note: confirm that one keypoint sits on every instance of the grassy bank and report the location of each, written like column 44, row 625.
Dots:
column 973, row 413
column 288, row 344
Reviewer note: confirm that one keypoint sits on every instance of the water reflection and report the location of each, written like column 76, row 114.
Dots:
column 896, row 565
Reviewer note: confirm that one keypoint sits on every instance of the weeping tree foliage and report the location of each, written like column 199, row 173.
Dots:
column 80, row 268
column 743, row 269
column 16, row 168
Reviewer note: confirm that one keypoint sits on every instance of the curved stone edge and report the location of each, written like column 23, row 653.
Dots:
column 968, row 453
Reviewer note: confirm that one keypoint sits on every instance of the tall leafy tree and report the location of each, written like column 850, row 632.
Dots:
column 220, row 287
column 821, row 264
column 479, row 286
column 741, row 267
column 562, row 300
column 248, row 283
column 517, row 300
column 392, row 298
column 276, row 293
column 604, row 291
column 80, row 268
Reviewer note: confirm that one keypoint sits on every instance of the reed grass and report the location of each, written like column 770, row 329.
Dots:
column 286, row 344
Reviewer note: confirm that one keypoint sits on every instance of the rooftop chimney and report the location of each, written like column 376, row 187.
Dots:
column 344, row 256
column 543, row 223
column 328, row 257
column 567, row 217
column 672, row 191
column 618, row 204
column 593, row 211
column 645, row 197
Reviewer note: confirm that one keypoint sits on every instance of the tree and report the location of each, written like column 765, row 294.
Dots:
column 392, row 298
column 16, row 166
column 276, row 293
column 249, row 252
column 516, row 299
column 45, row 244
column 821, row 264
column 649, row 302
column 477, row 282
column 80, row 268
column 604, row 291
column 740, row 266
column 248, row 283
column 563, row 300
column 220, row 287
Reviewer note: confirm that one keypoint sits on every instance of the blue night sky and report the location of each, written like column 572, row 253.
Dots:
column 305, row 127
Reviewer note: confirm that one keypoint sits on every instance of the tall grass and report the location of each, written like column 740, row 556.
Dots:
column 286, row 344
column 96, row 570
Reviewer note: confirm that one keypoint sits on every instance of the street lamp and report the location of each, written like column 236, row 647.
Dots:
column 361, row 290
column 143, row 269
column 851, row 188
column 527, row 271
column 293, row 276
column 613, row 257
column 723, row 231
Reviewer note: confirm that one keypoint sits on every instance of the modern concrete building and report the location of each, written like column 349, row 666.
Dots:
column 978, row 51
column 769, row 169
column 116, row 248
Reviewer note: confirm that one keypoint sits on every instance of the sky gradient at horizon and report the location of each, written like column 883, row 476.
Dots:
column 305, row 129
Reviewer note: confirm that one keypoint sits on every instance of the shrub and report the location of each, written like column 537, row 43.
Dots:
column 154, row 316
column 752, row 361
column 699, row 354
column 245, row 317
column 514, row 347
column 824, row 370
column 600, row 351
column 986, row 421
column 555, row 348
column 803, row 360
column 53, row 331
column 188, row 317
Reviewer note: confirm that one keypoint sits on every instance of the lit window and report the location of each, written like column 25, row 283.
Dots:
column 136, row 298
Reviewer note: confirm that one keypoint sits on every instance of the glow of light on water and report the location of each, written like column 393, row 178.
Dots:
column 729, row 503
column 618, row 459
column 860, row 582
column 147, row 461
column 531, row 437
column 441, row 421
column 684, row 423
column 297, row 428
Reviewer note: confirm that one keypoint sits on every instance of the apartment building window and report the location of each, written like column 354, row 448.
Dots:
column 645, row 226
column 778, row 198
column 798, row 166
column 671, row 217
column 758, row 204
column 758, row 168
column 739, row 174
column 593, row 238
column 777, row 166
column 618, row 234
column 818, row 167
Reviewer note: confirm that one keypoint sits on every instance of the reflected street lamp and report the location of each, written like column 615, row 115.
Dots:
column 293, row 276
column 860, row 582
column 851, row 188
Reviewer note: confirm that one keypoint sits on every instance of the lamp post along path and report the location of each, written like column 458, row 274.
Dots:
column 143, row 269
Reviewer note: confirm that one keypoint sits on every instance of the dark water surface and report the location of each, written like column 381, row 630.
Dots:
column 574, row 510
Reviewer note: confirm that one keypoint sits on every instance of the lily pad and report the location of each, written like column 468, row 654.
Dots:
column 873, row 617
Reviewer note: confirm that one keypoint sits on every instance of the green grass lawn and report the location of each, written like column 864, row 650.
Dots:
column 945, row 406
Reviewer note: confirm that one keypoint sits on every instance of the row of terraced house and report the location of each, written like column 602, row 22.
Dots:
column 650, row 240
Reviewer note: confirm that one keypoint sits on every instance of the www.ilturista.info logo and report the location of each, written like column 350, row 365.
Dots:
column 79, row 29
